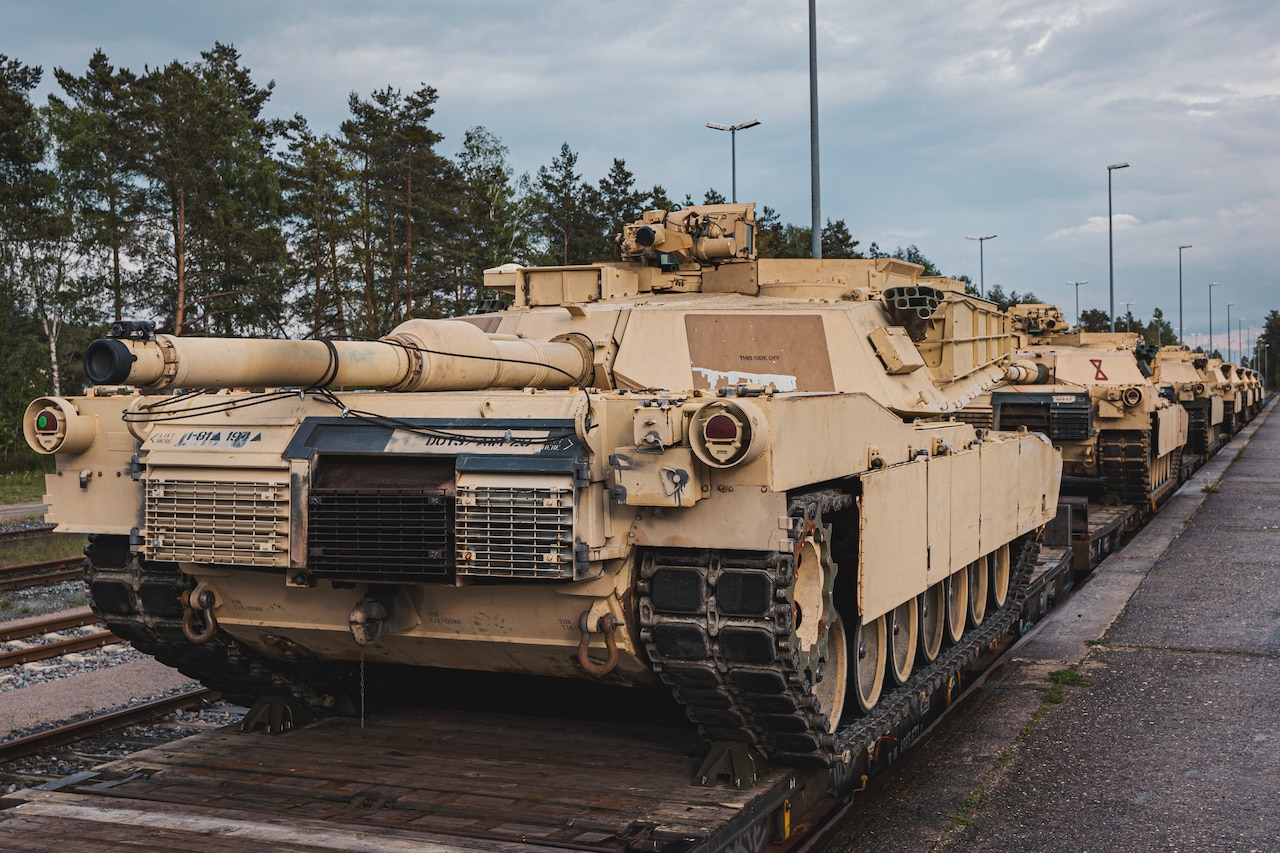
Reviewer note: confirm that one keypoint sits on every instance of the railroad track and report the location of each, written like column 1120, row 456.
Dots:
column 46, row 573
column 78, row 730
column 82, row 618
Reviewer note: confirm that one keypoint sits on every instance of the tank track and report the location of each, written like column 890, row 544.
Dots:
column 140, row 602
column 718, row 627
column 1128, row 470
column 1198, row 431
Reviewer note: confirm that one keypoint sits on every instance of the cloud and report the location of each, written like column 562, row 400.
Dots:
column 1097, row 225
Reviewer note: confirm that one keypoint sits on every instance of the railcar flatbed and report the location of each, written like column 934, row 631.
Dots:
column 434, row 779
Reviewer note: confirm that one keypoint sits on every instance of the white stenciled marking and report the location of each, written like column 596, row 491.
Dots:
column 719, row 378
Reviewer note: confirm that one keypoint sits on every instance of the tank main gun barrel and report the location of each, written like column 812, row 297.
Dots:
column 418, row 355
column 1026, row 373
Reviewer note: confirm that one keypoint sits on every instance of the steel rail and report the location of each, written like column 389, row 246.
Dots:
column 61, row 621
column 46, row 573
column 56, row 648
column 79, row 730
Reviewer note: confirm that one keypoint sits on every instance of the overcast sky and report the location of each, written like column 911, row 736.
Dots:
column 938, row 119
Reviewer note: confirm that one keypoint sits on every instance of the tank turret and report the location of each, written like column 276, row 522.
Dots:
column 690, row 467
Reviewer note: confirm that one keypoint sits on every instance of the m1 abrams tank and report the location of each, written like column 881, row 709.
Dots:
column 1089, row 393
column 739, row 477
column 1183, row 377
column 1253, row 387
column 1228, row 383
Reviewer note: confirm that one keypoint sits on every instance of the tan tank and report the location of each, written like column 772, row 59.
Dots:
column 1183, row 377
column 1089, row 393
column 1253, row 384
column 739, row 477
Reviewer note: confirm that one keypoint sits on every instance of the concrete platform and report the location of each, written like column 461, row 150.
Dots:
column 1172, row 741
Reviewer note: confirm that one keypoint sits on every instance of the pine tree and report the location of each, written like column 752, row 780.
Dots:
column 316, row 179
column 567, row 211
column 96, row 132
column 495, row 225
column 214, row 247
column 407, row 197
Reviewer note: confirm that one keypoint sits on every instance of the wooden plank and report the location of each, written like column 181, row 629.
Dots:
column 443, row 779
column 201, row 823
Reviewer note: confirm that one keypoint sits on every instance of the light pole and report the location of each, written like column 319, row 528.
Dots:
column 815, row 187
column 1240, row 336
column 1229, row 304
column 1212, row 285
column 733, row 149
column 1076, row 285
column 1180, row 248
column 1111, row 255
column 1128, row 316
column 982, row 284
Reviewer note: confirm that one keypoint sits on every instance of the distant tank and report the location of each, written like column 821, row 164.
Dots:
column 1253, row 384
column 1226, row 381
column 1091, row 395
column 740, row 477
column 1183, row 377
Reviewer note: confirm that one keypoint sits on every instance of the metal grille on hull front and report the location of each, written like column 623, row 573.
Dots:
column 390, row 534
column 231, row 523
column 515, row 532
column 1064, row 421
column 381, row 519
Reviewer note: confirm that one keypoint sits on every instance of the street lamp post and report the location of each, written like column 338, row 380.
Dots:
column 1111, row 255
column 1076, row 285
column 1229, row 304
column 982, row 283
column 1212, row 285
column 1180, row 248
column 815, row 186
column 733, row 149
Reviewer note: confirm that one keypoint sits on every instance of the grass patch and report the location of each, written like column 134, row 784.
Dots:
column 1055, row 695
column 1069, row 677
column 17, row 486
column 39, row 549
column 1211, row 490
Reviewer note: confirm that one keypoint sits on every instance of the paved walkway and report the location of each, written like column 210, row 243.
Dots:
column 26, row 509
column 1172, row 741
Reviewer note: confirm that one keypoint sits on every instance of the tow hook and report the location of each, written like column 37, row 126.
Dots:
column 605, row 625
column 201, row 598
column 367, row 621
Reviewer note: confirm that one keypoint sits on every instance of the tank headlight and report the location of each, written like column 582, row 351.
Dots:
column 52, row 425
column 1132, row 397
column 728, row 433
column 1199, row 387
